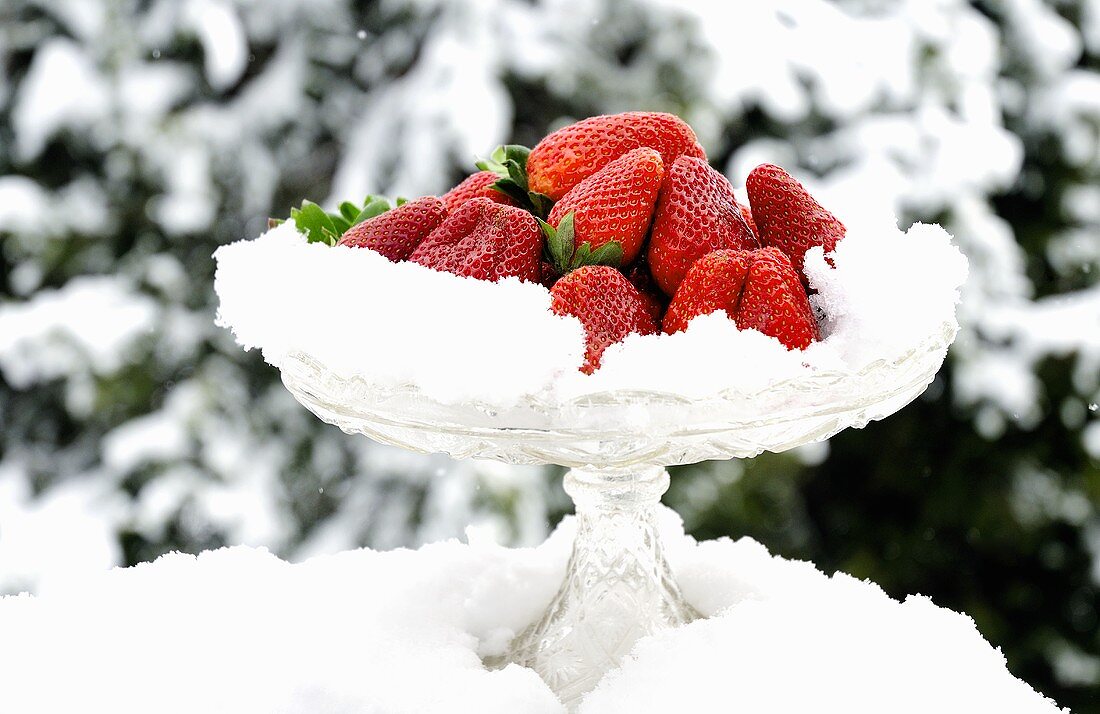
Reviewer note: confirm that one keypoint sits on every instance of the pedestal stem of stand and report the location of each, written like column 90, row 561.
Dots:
column 618, row 586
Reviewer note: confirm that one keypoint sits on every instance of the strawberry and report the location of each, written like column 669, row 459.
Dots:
column 641, row 278
column 655, row 304
column 774, row 301
column 758, row 289
column 397, row 232
column 611, row 207
column 548, row 274
column 713, row 283
column 484, row 240
column 788, row 217
column 571, row 154
column 474, row 186
column 607, row 305
column 747, row 215
column 696, row 213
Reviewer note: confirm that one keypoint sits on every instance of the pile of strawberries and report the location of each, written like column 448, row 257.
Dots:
column 625, row 222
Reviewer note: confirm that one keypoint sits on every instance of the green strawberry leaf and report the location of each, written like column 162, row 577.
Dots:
column 502, row 157
column 560, row 250
column 561, row 242
column 341, row 224
column 517, row 173
column 349, row 211
column 509, row 162
column 494, row 163
column 514, row 191
column 540, row 203
column 581, row 256
column 553, row 250
column 567, row 234
column 321, row 227
column 401, row 201
column 517, row 153
column 312, row 220
column 537, row 204
column 372, row 206
column 607, row 254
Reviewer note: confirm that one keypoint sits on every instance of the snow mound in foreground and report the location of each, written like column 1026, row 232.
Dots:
column 238, row 630
column 460, row 339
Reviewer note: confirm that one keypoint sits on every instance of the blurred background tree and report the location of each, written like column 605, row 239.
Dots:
column 136, row 136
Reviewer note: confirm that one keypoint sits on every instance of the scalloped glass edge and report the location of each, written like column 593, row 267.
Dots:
column 622, row 427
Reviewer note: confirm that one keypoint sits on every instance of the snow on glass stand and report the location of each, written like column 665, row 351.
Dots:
column 618, row 585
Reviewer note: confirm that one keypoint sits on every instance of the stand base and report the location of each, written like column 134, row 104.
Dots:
column 618, row 586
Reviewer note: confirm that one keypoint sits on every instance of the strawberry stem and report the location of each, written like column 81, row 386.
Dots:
column 509, row 162
column 561, row 251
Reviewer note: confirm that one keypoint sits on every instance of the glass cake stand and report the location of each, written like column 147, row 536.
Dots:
column 618, row 585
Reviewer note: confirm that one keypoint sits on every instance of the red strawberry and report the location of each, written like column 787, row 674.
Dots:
column 775, row 302
column 397, row 232
column 484, row 240
column 747, row 215
column 607, row 305
column 474, row 186
column 573, row 153
column 713, row 283
column 788, row 217
column 758, row 289
column 655, row 304
column 640, row 277
column 548, row 274
column 614, row 204
column 696, row 213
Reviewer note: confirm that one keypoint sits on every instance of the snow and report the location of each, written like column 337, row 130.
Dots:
column 158, row 436
column 224, row 44
column 63, row 90
column 405, row 631
column 67, row 531
column 1057, row 325
column 1072, row 104
column 23, row 204
column 84, row 19
column 1050, row 41
column 361, row 314
column 147, row 91
column 275, row 128
column 31, row 212
column 91, row 320
column 187, row 206
column 888, row 292
column 459, row 61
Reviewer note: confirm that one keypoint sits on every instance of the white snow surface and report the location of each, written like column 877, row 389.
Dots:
column 238, row 630
column 460, row 338
column 393, row 322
